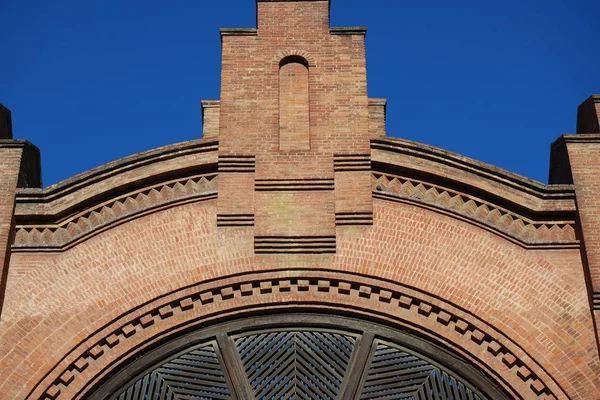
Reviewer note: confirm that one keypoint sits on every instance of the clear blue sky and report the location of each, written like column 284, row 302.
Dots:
column 93, row 81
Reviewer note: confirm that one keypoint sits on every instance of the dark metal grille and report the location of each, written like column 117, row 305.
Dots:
column 396, row 374
column 194, row 375
column 297, row 365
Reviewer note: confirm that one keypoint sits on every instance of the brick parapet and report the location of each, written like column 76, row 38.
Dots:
column 479, row 176
column 94, row 186
column 63, row 214
column 575, row 159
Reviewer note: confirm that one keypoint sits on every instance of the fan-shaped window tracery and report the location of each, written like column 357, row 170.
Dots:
column 302, row 362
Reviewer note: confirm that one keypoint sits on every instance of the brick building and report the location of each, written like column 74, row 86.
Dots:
column 296, row 251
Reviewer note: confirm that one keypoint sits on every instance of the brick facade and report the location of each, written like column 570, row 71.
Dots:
column 296, row 200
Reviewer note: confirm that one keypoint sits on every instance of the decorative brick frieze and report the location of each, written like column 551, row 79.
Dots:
column 406, row 155
column 526, row 231
column 63, row 234
column 318, row 287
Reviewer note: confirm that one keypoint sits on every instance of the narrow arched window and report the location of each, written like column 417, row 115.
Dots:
column 294, row 119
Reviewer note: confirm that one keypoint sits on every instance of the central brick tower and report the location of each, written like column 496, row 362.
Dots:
column 293, row 125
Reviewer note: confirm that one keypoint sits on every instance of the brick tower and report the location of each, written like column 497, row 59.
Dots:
column 294, row 125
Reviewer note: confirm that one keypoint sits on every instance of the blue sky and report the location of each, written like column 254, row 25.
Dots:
column 91, row 82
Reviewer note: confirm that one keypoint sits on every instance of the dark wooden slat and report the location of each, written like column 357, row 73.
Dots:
column 357, row 367
column 234, row 367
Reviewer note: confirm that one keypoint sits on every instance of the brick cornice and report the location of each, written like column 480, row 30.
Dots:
column 238, row 32
column 38, row 236
column 579, row 138
column 349, row 30
column 529, row 230
column 116, row 168
column 478, row 168
column 15, row 143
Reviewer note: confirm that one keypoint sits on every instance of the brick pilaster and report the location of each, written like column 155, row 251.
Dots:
column 19, row 167
column 576, row 160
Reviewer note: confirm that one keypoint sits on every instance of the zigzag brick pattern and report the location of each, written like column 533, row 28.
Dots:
column 83, row 224
column 525, row 230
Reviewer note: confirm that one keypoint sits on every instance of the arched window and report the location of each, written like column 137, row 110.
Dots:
column 294, row 119
column 342, row 358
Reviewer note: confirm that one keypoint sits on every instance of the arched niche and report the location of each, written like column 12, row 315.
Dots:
column 294, row 104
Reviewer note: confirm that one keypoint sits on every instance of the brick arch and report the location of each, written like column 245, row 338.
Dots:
column 281, row 291
column 276, row 60
column 423, row 262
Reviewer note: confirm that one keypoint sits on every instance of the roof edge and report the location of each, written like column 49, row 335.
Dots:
column 118, row 166
column 480, row 168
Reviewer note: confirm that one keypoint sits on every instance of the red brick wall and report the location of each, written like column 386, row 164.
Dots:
column 577, row 159
column 536, row 299
column 10, row 163
column 294, row 119
column 210, row 119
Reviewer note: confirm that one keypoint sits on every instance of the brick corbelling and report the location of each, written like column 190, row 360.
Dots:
column 433, row 317
column 238, row 32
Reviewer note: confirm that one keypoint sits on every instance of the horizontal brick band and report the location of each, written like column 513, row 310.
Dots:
column 342, row 219
column 243, row 164
column 352, row 162
column 294, row 245
column 235, row 220
column 263, row 185
column 596, row 301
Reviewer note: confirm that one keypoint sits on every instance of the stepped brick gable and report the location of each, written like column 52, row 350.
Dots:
column 297, row 250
